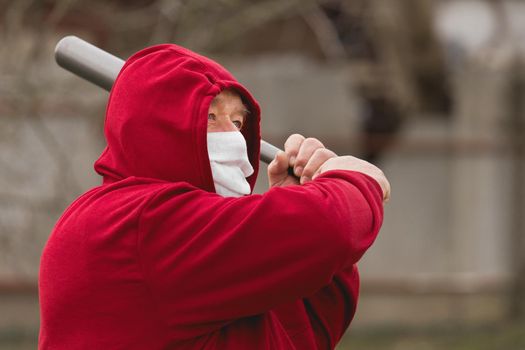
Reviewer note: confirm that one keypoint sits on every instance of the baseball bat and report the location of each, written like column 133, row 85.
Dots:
column 101, row 68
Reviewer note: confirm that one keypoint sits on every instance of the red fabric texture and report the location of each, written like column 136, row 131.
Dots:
column 154, row 259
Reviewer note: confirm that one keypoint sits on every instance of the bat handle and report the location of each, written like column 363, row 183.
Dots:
column 268, row 152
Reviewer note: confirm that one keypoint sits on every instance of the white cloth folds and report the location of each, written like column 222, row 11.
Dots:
column 229, row 162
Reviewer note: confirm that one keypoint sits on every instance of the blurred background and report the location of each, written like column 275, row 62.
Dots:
column 431, row 91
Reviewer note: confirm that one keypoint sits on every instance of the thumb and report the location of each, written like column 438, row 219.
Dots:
column 278, row 168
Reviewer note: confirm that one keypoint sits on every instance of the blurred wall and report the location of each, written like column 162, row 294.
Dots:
column 445, row 251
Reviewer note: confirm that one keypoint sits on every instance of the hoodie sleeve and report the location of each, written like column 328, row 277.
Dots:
column 332, row 308
column 208, row 260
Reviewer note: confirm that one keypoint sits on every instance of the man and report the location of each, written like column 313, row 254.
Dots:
column 172, row 252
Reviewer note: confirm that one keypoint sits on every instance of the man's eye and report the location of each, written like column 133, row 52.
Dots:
column 238, row 124
column 211, row 116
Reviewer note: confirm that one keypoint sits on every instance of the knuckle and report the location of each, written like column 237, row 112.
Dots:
column 295, row 138
column 311, row 141
column 320, row 151
column 293, row 143
column 324, row 152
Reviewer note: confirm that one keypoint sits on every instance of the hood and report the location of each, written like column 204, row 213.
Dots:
column 157, row 117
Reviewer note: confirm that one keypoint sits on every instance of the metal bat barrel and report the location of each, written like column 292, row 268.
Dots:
column 88, row 61
column 101, row 68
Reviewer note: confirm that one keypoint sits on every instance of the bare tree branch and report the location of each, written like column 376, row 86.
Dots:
column 325, row 32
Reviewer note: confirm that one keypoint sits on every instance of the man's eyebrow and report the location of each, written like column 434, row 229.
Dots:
column 245, row 111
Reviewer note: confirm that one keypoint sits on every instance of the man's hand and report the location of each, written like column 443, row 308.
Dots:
column 359, row 165
column 309, row 158
column 304, row 155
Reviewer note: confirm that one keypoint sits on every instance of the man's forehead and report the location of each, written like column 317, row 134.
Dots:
column 227, row 94
column 231, row 95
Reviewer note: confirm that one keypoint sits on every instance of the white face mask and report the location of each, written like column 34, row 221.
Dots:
column 229, row 163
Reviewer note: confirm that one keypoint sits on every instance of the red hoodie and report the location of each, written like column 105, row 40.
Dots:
column 154, row 259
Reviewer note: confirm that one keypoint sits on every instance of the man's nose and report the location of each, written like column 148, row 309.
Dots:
column 224, row 123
